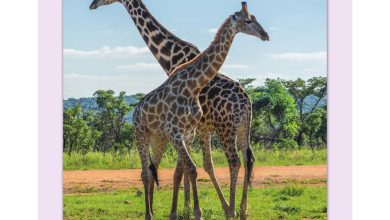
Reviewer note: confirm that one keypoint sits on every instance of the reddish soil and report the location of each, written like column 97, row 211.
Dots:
column 88, row 181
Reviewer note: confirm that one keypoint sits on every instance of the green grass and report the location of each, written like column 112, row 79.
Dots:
column 131, row 160
column 290, row 202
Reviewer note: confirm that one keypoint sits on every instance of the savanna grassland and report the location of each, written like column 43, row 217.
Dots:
column 288, row 202
column 130, row 160
column 285, row 188
column 288, row 137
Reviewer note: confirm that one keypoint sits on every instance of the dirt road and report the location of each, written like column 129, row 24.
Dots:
column 88, row 181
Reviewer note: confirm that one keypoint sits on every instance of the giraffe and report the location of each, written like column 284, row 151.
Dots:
column 172, row 111
column 225, row 104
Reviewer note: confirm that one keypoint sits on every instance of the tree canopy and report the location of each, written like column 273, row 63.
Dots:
column 286, row 114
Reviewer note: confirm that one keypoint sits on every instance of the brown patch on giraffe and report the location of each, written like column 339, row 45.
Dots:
column 153, row 26
column 196, row 59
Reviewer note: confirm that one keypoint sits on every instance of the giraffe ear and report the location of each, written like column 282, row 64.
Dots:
column 244, row 8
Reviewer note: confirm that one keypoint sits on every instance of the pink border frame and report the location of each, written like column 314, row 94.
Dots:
column 50, row 109
column 340, row 109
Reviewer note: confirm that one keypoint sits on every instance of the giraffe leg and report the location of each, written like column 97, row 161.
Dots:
column 205, row 141
column 249, row 159
column 229, row 144
column 143, row 150
column 177, row 176
column 190, row 168
column 158, row 148
column 151, row 190
column 187, row 190
column 244, row 198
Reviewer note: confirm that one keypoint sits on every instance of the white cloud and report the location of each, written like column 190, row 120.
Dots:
column 84, row 85
column 314, row 56
column 107, row 52
column 212, row 30
column 73, row 76
column 236, row 67
column 312, row 70
column 139, row 66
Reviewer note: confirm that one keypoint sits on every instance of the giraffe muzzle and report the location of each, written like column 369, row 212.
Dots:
column 264, row 36
column 93, row 5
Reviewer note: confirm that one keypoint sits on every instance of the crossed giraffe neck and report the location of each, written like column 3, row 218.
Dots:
column 169, row 50
column 207, row 64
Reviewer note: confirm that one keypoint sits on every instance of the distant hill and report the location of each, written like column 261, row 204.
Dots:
column 311, row 100
column 90, row 103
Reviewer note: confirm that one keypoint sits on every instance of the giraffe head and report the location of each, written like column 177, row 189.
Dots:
column 246, row 23
column 96, row 3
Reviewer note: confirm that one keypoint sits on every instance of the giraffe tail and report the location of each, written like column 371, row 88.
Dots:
column 249, row 164
column 249, row 153
column 153, row 169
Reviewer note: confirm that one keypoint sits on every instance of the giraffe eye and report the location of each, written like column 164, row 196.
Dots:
column 248, row 21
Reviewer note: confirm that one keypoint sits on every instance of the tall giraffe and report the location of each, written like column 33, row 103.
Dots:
column 224, row 102
column 172, row 111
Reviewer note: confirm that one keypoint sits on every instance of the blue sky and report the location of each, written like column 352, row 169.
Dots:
column 103, row 49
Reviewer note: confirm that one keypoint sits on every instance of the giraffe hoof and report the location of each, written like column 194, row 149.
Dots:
column 148, row 217
column 243, row 215
column 243, row 212
column 173, row 216
column 232, row 215
column 226, row 210
column 198, row 214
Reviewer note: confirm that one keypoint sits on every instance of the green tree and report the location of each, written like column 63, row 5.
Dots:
column 322, row 133
column 312, row 126
column 246, row 82
column 274, row 115
column 301, row 91
column 110, row 121
column 78, row 136
column 138, row 96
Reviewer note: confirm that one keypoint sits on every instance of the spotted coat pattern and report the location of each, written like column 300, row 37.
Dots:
column 222, row 106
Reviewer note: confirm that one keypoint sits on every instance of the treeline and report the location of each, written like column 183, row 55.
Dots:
column 287, row 114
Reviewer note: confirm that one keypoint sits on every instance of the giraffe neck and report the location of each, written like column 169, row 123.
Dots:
column 209, row 62
column 169, row 50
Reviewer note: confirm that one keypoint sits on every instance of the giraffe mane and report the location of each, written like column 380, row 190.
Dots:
column 197, row 57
